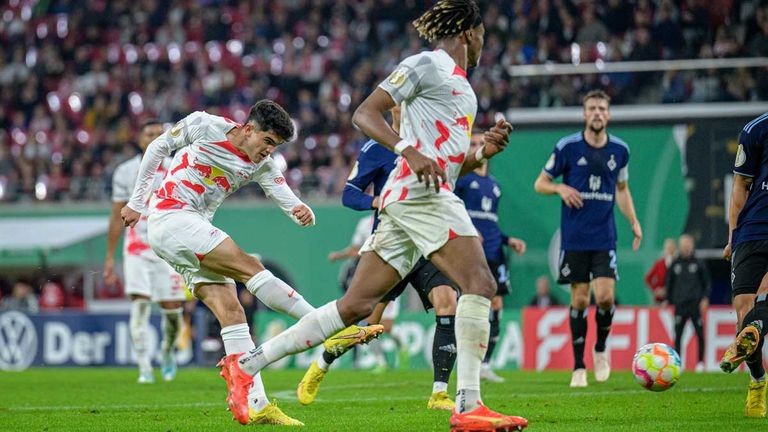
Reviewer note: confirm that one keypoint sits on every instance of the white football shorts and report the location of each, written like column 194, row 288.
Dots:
column 411, row 228
column 152, row 278
column 182, row 239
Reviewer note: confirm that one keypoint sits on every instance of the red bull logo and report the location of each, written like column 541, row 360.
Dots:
column 217, row 177
column 464, row 123
column 210, row 174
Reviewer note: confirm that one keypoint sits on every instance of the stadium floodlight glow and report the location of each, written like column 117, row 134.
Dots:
column 2, row 187
column 26, row 13
column 298, row 42
column 137, row 104
column 42, row 30
column 214, row 52
column 575, row 53
column 41, row 137
column 54, row 103
column 322, row 41
column 276, row 65
column 41, row 190
column 130, row 53
column 82, row 136
column 31, row 58
column 235, row 47
column 62, row 26
column 278, row 47
column 248, row 61
column 333, row 141
column 310, row 143
column 152, row 52
column 174, row 53
column 75, row 103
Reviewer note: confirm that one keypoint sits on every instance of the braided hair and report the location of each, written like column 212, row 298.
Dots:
column 448, row 18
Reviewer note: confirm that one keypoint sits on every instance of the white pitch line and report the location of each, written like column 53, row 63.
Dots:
column 291, row 395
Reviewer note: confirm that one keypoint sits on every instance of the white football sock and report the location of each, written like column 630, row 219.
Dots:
column 137, row 325
column 171, row 325
column 322, row 364
column 278, row 295
column 439, row 386
column 472, row 331
column 237, row 339
column 310, row 331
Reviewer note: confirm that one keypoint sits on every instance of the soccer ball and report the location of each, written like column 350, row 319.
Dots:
column 656, row 367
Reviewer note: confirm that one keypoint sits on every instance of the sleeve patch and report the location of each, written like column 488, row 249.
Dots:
column 741, row 157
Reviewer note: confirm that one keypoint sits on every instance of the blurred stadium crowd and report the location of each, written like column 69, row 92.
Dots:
column 77, row 77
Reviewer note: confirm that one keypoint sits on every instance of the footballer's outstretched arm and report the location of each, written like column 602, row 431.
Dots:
column 180, row 135
column 369, row 117
column 271, row 180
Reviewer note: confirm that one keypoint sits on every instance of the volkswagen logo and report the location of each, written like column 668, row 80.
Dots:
column 18, row 341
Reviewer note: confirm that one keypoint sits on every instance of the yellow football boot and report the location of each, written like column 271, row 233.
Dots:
column 440, row 401
column 342, row 341
column 310, row 384
column 741, row 348
column 756, row 399
column 271, row 414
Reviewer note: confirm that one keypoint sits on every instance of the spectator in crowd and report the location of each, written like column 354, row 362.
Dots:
column 22, row 298
column 80, row 77
column 656, row 276
column 543, row 297
column 688, row 285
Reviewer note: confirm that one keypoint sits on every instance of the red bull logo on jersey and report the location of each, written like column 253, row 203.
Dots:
column 465, row 123
column 218, row 177
column 210, row 174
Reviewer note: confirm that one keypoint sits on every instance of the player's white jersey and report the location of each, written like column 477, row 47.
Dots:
column 135, row 242
column 206, row 169
column 438, row 107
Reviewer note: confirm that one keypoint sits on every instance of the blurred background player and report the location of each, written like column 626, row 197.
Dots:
column 543, row 297
column 216, row 156
column 481, row 194
column 687, row 286
column 657, row 275
column 147, row 277
column 594, row 166
column 748, row 251
column 420, row 214
column 372, row 168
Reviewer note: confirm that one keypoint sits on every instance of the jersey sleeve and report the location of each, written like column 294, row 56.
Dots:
column 409, row 77
column 748, row 155
column 556, row 163
column 122, row 189
column 623, row 176
column 363, row 174
column 183, row 133
column 271, row 180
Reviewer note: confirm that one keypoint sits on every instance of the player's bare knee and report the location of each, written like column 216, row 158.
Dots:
column 605, row 303
column 579, row 302
column 352, row 311
column 483, row 285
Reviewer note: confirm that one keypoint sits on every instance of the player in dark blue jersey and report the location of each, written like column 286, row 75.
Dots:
column 593, row 165
column 748, row 251
column 373, row 165
column 481, row 195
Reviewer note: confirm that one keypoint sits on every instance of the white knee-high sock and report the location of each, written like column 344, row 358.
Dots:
column 237, row 339
column 472, row 331
column 310, row 331
column 171, row 325
column 278, row 295
column 137, row 324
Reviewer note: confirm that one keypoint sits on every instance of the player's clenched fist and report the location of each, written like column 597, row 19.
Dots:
column 496, row 138
column 303, row 215
column 130, row 216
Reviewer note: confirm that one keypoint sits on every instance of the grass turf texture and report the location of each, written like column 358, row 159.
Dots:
column 109, row 399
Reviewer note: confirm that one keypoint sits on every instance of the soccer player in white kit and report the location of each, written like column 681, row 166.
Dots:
column 214, row 157
column 438, row 106
column 147, row 277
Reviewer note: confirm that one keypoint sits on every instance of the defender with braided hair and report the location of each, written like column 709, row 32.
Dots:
column 420, row 214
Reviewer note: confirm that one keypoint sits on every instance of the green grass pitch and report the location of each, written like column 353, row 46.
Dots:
column 101, row 399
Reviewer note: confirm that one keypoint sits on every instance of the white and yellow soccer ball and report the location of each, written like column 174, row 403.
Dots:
column 656, row 367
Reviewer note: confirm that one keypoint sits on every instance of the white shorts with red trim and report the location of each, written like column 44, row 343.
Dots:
column 183, row 239
column 153, row 278
column 411, row 228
